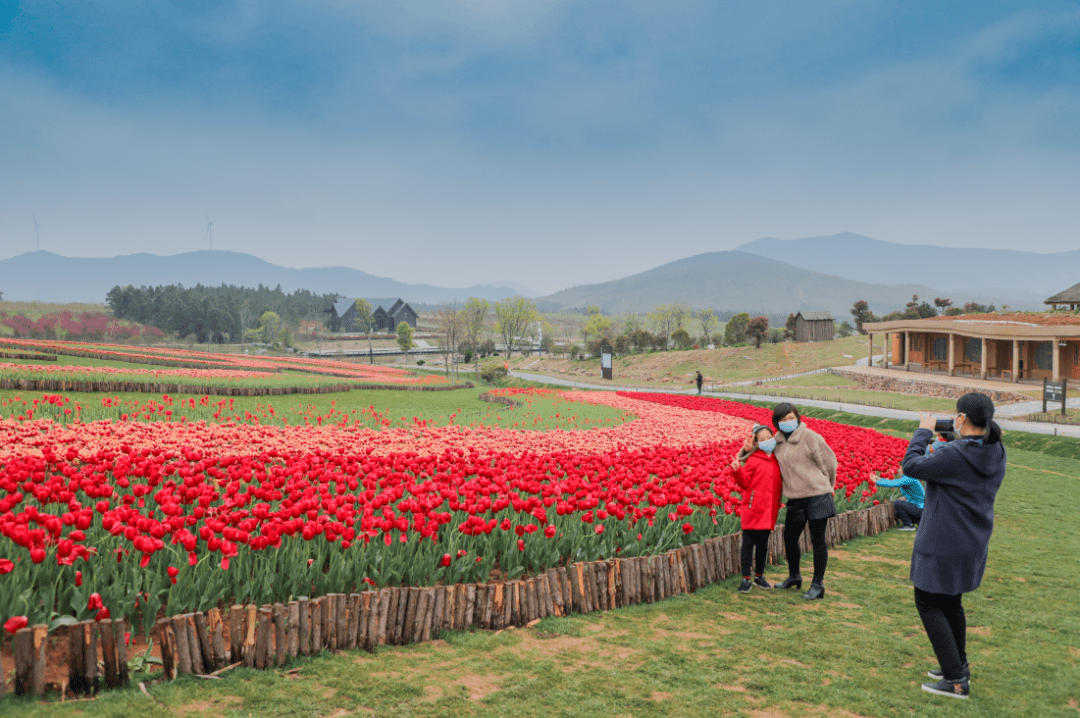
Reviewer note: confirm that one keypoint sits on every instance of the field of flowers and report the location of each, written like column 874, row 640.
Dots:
column 126, row 516
column 188, row 367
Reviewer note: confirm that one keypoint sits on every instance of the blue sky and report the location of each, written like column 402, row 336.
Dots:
column 549, row 143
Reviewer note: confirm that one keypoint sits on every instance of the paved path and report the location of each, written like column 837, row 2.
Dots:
column 1006, row 424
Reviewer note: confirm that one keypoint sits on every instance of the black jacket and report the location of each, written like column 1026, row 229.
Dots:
column 962, row 480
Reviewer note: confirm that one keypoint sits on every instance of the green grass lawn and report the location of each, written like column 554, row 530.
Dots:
column 860, row 652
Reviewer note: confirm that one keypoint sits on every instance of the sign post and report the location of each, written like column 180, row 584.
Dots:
column 605, row 361
column 1053, row 392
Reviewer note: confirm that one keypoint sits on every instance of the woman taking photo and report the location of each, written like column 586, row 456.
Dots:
column 808, row 467
column 949, row 557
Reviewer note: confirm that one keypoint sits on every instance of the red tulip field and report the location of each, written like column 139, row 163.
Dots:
column 130, row 514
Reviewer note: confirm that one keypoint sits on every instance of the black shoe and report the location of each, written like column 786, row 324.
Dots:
column 760, row 582
column 952, row 689
column 815, row 591
column 790, row 581
column 745, row 586
column 937, row 675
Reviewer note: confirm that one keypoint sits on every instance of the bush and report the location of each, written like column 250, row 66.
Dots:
column 493, row 373
column 419, row 362
column 681, row 339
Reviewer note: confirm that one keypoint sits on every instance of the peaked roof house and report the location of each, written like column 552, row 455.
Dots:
column 385, row 313
column 814, row 327
column 1070, row 296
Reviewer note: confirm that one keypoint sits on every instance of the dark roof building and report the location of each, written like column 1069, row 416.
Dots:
column 385, row 313
column 1070, row 296
column 814, row 327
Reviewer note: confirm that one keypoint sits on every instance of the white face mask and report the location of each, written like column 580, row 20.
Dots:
column 768, row 445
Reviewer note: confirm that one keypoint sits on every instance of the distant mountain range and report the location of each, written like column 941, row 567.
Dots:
column 49, row 277
column 1012, row 273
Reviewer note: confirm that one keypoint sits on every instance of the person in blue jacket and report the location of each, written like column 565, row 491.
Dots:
column 908, row 512
column 949, row 556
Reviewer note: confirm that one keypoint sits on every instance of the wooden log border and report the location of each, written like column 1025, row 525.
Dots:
column 266, row 636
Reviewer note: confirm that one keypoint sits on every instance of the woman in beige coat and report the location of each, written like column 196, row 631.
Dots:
column 808, row 467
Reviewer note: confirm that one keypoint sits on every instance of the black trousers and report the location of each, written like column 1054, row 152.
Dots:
column 792, row 531
column 754, row 539
column 946, row 626
column 907, row 513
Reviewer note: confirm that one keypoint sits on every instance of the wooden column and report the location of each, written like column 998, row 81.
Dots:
column 1015, row 360
column 1056, row 346
column 907, row 351
column 952, row 354
column 982, row 368
column 870, row 349
column 885, row 350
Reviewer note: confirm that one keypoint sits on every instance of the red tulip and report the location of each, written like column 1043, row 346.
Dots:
column 94, row 603
column 15, row 623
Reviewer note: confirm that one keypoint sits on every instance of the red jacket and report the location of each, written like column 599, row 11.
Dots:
column 761, row 486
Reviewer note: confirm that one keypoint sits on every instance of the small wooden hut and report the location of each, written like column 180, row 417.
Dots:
column 814, row 327
column 1070, row 298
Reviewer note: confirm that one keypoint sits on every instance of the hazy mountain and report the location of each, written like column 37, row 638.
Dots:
column 740, row 281
column 48, row 277
column 1023, row 276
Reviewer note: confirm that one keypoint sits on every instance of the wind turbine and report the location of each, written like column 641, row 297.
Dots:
column 37, row 237
column 209, row 233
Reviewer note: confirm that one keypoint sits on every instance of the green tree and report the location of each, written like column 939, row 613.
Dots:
column 735, row 330
column 758, row 330
column 663, row 318
column 861, row 311
column 512, row 317
column 845, row 329
column 365, row 319
column 597, row 326
column 681, row 339
column 476, row 313
column 269, row 329
column 404, row 338
column 707, row 320
column 790, row 327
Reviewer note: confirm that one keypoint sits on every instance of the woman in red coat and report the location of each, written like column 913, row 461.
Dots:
column 758, row 477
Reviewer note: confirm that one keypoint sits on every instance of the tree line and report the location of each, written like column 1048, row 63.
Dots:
column 214, row 314
column 916, row 309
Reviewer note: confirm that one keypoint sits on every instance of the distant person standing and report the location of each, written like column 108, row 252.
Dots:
column 700, row 380
column 949, row 556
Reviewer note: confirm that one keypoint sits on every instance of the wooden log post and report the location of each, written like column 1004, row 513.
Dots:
column 438, row 611
column 315, row 607
column 372, row 638
column 613, row 583
column 470, row 606
column 564, row 581
column 76, row 667
column 303, row 624
column 363, row 618
column 281, row 632
column 236, row 633
column 251, row 625
column 39, row 634
column 555, row 590
column 197, row 666
column 90, row 655
column 262, row 637
column 294, row 628
column 183, row 653
column 397, row 601
column 216, row 629
column 351, row 620
column 498, row 604
column 205, row 646
column 420, row 598
column 508, row 605
column 461, row 605
column 383, row 617
column 329, row 622
column 23, row 648
column 532, row 605
column 599, row 569
column 119, row 629
column 487, row 607
column 513, row 591
column 341, row 607
column 547, row 599
column 578, row 600
column 108, row 654
column 3, row 679
column 408, row 627
column 166, row 643
column 428, row 623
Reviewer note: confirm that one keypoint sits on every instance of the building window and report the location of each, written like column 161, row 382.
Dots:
column 941, row 348
column 973, row 350
column 1044, row 356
